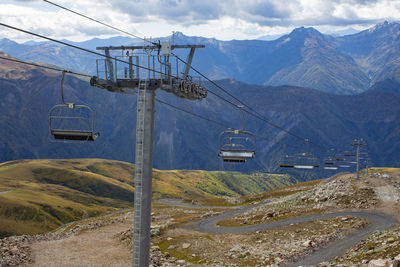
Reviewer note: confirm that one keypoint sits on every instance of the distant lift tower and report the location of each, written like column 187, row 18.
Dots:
column 145, row 69
column 358, row 143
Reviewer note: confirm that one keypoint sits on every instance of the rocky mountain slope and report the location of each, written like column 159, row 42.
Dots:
column 340, row 65
column 177, row 241
column 185, row 142
column 37, row 196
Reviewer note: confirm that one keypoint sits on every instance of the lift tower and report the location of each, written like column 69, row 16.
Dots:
column 358, row 143
column 144, row 69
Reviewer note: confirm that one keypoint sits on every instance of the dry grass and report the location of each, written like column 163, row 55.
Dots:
column 383, row 170
column 58, row 191
column 281, row 192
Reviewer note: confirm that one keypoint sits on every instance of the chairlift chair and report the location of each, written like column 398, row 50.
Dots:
column 237, row 145
column 66, row 121
column 287, row 162
column 329, row 164
column 305, row 161
column 331, row 167
column 344, row 165
column 329, row 161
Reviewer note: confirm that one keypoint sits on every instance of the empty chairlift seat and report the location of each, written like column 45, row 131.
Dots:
column 72, row 122
column 330, row 164
column 287, row 161
column 236, row 146
column 305, row 162
column 231, row 155
column 68, row 121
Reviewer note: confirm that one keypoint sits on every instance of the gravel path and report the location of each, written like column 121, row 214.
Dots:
column 377, row 221
column 90, row 248
column 178, row 203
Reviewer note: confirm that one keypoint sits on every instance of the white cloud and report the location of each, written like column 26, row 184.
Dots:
column 230, row 19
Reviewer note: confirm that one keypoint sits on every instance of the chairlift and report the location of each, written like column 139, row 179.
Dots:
column 331, row 167
column 329, row 164
column 71, row 122
column 344, row 165
column 305, row 161
column 287, row 162
column 237, row 146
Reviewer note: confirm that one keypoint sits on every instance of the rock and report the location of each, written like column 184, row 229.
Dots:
column 379, row 263
column 396, row 261
column 155, row 248
column 181, row 262
column 186, row 245
column 244, row 255
column 235, row 248
column 270, row 214
column 156, row 231
column 172, row 247
column 390, row 240
column 307, row 243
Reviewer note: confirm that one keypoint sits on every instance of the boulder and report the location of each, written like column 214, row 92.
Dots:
column 379, row 263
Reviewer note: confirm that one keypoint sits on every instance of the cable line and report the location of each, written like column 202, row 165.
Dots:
column 256, row 115
column 95, row 20
column 193, row 114
column 79, row 48
column 86, row 75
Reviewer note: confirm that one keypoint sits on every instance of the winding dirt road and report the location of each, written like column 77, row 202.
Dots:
column 377, row 221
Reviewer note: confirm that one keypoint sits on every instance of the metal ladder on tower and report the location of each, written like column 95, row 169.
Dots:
column 141, row 104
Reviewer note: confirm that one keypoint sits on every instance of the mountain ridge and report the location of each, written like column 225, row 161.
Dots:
column 305, row 57
column 185, row 142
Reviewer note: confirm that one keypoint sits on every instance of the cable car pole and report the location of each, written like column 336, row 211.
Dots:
column 157, row 74
column 358, row 143
column 143, row 175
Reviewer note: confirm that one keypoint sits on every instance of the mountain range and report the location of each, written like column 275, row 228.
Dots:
column 305, row 57
column 186, row 142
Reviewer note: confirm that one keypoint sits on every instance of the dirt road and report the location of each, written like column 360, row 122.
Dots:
column 90, row 248
column 377, row 221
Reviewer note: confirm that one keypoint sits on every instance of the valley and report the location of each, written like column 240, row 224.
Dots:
column 186, row 142
column 253, row 164
column 351, row 223
column 40, row 195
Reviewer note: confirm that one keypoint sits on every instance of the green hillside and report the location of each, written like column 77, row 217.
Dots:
column 40, row 195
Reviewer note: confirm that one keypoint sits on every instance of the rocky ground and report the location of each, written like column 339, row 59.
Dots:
column 176, row 243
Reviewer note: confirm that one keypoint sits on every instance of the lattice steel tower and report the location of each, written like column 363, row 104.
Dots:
column 147, row 68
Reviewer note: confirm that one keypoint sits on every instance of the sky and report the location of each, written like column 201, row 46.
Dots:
column 220, row 19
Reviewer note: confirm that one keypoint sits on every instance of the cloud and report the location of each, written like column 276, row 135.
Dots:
column 261, row 12
column 210, row 18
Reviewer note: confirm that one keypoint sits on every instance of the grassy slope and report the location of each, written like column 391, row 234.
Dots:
column 47, row 193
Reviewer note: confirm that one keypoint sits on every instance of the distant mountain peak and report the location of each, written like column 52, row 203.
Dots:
column 383, row 26
column 303, row 31
column 179, row 34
